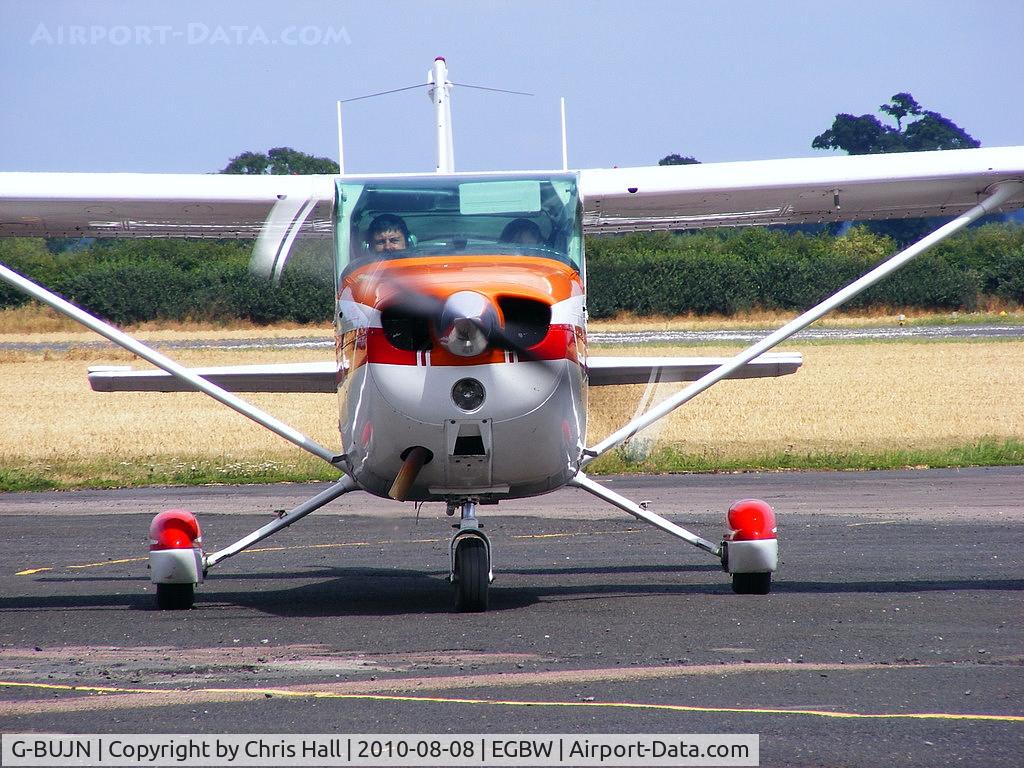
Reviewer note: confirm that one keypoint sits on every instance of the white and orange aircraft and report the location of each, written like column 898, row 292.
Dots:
column 462, row 366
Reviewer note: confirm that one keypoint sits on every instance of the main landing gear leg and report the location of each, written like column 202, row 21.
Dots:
column 470, row 561
column 749, row 553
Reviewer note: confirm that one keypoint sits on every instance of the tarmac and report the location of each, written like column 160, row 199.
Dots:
column 892, row 635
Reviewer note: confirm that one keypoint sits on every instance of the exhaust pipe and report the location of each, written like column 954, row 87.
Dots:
column 414, row 460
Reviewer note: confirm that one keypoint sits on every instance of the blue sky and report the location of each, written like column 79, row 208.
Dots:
column 184, row 86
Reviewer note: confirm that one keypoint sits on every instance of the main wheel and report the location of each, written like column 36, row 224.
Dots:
column 472, row 576
column 175, row 597
column 752, row 583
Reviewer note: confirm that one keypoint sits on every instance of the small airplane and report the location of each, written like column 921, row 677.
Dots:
column 461, row 367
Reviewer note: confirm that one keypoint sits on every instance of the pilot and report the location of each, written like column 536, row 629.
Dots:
column 521, row 232
column 387, row 233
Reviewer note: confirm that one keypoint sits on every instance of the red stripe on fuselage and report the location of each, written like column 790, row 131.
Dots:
column 562, row 342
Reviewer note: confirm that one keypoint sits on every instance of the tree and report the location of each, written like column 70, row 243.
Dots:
column 867, row 135
column 678, row 160
column 901, row 105
column 916, row 129
column 280, row 161
column 248, row 163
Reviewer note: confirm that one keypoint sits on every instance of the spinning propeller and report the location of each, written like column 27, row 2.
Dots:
column 466, row 323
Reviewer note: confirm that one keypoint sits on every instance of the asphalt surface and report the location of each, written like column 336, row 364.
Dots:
column 893, row 634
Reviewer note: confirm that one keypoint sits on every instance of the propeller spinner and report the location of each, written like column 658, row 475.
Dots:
column 467, row 323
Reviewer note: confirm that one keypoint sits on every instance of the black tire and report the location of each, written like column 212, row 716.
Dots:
column 175, row 597
column 752, row 583
column 471, row 576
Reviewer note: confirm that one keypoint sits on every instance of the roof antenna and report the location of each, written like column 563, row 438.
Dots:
column 439, row 90
column 441, row 95
column 341, row 144
column 565, row 146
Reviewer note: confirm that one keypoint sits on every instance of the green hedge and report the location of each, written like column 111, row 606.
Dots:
column 137, row 281
column 718, row 271
column 729, row 270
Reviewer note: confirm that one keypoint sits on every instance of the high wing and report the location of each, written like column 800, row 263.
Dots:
column 615, row 200
column 322, row 376
column 155, row 204
column 807, row 190
column 840, row 188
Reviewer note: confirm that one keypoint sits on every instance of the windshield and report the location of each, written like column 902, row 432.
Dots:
column 390, row 218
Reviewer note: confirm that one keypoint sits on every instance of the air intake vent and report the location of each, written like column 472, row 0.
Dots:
column 526, row 320
column 469, row 445
column 405, row 331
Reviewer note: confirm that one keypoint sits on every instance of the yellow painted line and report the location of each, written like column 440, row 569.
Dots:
column 85, row 688
column 110, row 562
column 570, row 534
column 30, row 571
column 337, row 545
column 264, row 692
column 258, row 550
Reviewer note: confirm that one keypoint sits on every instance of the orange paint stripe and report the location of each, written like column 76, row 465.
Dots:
column 440, row 276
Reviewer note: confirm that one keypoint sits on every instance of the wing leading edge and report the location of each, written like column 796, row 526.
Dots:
column 322, row 376
column 154, row 204
column 806, row 190
column 803, row 190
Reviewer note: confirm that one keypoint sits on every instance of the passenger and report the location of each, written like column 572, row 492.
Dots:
column 387, row 233
column 521, row 232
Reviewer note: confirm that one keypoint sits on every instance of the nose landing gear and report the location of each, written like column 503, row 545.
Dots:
column 470, row 561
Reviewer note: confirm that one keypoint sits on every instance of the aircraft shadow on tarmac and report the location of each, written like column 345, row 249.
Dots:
column 389, row 591
column 610, row 569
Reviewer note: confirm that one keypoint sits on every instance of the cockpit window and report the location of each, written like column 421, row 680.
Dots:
column 391, row 218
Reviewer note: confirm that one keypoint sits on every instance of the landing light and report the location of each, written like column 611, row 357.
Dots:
column 468, row 394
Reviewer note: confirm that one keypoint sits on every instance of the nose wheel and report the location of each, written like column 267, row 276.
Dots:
column 472, row 579
column 471, row 563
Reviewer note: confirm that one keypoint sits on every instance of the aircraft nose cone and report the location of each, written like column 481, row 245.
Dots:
column 466, row 323
column 467, row 304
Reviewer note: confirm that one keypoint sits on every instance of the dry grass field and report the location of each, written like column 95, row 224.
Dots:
column 847, row 397
column 54, row 425
column 864, row 397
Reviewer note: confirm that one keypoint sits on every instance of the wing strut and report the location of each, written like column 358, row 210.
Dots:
column 135, row 346
column 641, row 513
column 998, row 194
column 340, row 488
